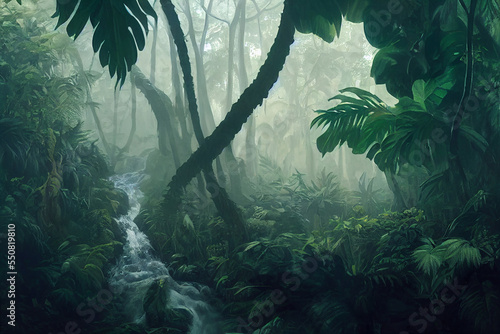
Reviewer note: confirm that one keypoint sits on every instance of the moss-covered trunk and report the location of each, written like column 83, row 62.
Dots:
column 225, row 206
column 240, row 111
column 161, row 106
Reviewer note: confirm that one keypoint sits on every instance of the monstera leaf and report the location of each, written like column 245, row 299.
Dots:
column 119, row 27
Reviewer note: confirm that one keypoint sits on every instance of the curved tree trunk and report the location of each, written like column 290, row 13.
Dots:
column 114, row 151
column 206, row 113
column 97, row 122
column 227, row 208
column 241, row 110
column 205, row 109
column 185, row 134
column 133, row 115
column 161, row 106
column 179, row 107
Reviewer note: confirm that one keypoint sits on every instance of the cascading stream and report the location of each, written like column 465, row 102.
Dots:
column 137, row 269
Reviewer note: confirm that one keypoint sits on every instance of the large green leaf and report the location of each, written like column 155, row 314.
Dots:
column 427, row 259
column 320, row 17
column 384, row 60
column 360, row 121
column 119, row 28
column 430, row 94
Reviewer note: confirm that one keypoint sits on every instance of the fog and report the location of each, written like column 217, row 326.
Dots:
column 235, row 168
column 278, row 130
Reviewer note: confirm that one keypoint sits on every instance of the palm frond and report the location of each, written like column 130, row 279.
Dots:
column 361, row 122
column 427, row 258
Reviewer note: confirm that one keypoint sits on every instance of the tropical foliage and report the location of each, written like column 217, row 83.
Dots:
column 316, row 258
column 53, row 185
column 438, row 126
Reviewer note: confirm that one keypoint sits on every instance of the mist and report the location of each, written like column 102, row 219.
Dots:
column 263, row 166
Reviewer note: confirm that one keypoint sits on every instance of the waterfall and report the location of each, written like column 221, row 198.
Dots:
column 137, row 269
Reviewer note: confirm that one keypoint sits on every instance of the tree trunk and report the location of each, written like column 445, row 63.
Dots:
column 234, row 170
column 227, row 208
column 207, row 118
column 162, row 106
column 230, row 56
column 114, row 155
column 133, row 128
column 90, row 102
column 240, row 111
column 398, row 202
column 206, row 114
column 97, row 121
column 250, row 148
column 153, row 54
column 179, row 93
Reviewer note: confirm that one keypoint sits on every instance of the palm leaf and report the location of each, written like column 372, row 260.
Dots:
column 361, row 122
column 459, row 252
column 427, row 258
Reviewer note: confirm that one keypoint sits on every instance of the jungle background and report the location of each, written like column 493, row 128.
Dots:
column 324, row 166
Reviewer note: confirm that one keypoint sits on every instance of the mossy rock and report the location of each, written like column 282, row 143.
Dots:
column 141, row 218
column 158, row 311
column 97, row 227
column 114, row 200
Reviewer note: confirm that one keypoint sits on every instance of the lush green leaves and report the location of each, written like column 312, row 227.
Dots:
column 360, row 122
column 118, row 29
column 320, row 17
column 324, row 17
column 456, row 253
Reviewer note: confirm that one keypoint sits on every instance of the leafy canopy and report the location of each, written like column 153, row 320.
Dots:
column 324, row 17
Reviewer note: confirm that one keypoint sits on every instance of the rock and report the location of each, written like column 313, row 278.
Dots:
column 158, row 312
column 114, row 200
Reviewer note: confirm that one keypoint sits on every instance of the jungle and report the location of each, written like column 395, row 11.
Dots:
column 250, row 166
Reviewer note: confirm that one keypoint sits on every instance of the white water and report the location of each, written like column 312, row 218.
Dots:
column 138, row 268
